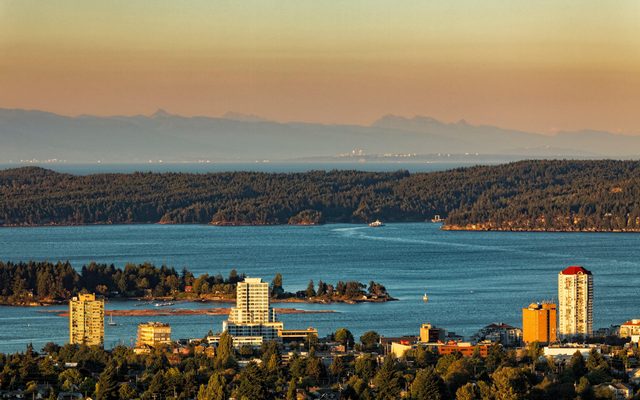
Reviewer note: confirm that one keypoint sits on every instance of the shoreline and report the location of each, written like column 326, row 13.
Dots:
column 172, row 312
column 201, row 300
column 452, row 228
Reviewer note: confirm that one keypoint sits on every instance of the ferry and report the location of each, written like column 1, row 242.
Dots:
column 376, row 224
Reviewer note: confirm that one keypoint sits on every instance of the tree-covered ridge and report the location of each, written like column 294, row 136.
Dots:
column 529, row 195
column 34, row 282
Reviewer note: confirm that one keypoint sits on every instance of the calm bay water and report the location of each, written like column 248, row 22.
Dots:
column 473, row 278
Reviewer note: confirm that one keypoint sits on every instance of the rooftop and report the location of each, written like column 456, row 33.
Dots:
column 575, row 270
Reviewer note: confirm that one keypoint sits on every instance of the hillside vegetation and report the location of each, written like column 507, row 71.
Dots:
column 528, row 195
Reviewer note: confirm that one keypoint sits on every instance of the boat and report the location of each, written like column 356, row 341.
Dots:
column 111, row 323
column 425, row 298
column 164, row 304
column 376, row 224
column 436, row 218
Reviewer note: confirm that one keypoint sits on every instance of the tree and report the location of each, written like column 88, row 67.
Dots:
column 311, row 291
column 509, row 383
column 251, row 384
column 69, row 378
column 291, row 390
column 107, row 386
column 468, row 391
column 276, row 286
column 370, row 340
column 224, row 355
column 344, row 337
column 577, row 365
column 426, row 385
column 388, row 380
column 215, row 388
column 126, row 391
column 365, row 367
column 337, row 367
column 314, row 367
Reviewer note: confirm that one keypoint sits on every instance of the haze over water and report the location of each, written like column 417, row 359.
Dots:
column 472, row 278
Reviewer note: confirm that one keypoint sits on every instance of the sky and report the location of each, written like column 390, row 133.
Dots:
column 538, row 65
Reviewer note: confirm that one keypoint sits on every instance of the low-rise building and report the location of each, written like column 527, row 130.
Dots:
column 568, row 350
column 502, row 333
column 297, row 335
column 465, row 348
column 619, row 390
column 631, row 329
column 153, row 334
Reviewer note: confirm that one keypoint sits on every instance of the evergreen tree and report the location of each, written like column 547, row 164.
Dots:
column 107, row 386
column 426, row 385
column 388, row 380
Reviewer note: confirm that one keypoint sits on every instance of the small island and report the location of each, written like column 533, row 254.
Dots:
column 45, row 283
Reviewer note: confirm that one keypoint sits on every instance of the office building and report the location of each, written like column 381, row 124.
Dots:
column 431, row 334
column 153, row 334
column 86, row 320
column 539, row 322
column 252, row 321
column 575, row 295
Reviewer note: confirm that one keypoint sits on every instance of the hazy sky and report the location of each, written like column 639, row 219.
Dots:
column 534, row 65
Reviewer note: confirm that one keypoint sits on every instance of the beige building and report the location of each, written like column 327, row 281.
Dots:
column 252, row 321
column 431, row 334
column 575, row 295
column 631, row 329
column 153, row 334
column 86, row 320
column 539, row 323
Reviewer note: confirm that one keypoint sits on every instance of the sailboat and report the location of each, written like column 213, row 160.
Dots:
column 425, row 298
column 111, row 323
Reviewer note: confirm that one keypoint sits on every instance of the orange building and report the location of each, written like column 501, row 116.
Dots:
column 539, row 323
column 466, row 349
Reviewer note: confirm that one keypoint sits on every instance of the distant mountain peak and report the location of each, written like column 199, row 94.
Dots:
column 160, row 113
column 399, row 121
column 236, row 116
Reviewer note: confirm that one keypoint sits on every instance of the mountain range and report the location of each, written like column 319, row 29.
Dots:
column 235, row 137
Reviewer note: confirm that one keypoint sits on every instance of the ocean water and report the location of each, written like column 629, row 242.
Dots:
column 472, row 278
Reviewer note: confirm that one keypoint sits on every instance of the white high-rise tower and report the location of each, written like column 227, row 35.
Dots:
column 252, row 320
column 575, row 297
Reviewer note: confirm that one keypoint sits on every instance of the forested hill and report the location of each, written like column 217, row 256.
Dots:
column 527, row 195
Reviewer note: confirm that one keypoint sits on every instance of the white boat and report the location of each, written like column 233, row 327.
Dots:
column 111, row 323
column 425, row 298
column 164, row 304
column 376, row 224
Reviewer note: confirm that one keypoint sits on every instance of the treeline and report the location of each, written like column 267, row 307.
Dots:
column 546, row 195
column 32, row 282
column 423, row 375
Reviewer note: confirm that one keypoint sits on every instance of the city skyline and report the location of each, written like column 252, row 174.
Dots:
column 536, row 66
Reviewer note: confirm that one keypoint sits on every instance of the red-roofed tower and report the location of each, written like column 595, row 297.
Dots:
column 575, row 297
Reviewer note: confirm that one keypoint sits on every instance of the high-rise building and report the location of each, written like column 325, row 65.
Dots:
column 153, row 334
column 575, row 295
column 252, row 320
column 86, row 320
column 539, row 323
